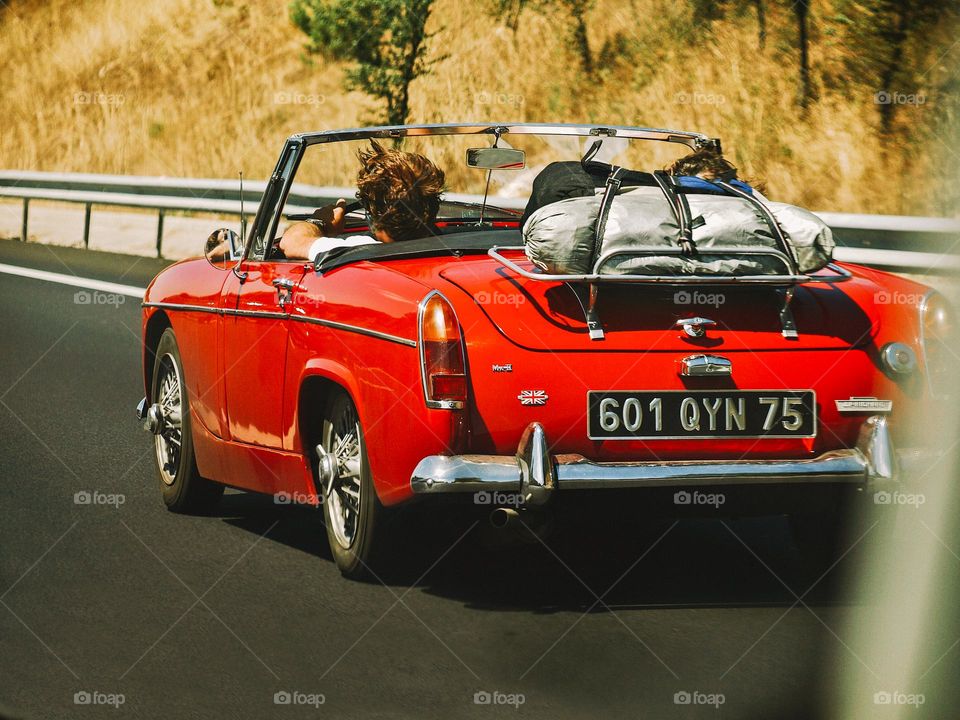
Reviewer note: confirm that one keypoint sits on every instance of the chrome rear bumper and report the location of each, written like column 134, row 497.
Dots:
column 536, row 474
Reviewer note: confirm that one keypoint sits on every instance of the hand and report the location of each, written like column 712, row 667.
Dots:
column 333, row 218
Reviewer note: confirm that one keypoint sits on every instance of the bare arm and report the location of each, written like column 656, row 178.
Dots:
column 297, row 239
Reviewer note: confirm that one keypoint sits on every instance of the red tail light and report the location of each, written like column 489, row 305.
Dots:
column 441, row 354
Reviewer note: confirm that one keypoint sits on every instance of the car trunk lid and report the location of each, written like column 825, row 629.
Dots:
column 550, row 316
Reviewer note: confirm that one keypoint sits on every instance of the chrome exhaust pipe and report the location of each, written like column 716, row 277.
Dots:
column 502, row 518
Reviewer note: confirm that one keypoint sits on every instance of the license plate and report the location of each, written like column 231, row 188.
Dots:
column 680, row 414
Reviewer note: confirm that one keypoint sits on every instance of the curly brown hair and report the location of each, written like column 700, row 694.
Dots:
column 707, row 162
column 710, row 164
column 400, row 190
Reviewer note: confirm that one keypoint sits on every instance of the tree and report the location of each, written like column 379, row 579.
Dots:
column 801, row 10
column 386, row 40
column 761, row 23
column 898, row 47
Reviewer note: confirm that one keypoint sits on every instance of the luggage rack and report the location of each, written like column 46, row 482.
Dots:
column 786, row 282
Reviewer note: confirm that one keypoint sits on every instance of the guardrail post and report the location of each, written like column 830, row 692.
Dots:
column 86, row 227
column 23, row 226
column 159, row 233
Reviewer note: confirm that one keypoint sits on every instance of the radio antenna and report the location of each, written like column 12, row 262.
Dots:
column 243, row 216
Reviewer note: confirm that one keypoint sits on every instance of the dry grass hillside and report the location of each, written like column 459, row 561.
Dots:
column 204, row 87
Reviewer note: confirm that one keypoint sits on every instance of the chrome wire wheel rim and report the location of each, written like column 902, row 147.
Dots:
column 169, row 440
column 343, row 495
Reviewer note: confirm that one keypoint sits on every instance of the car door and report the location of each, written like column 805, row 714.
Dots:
column 255, row 311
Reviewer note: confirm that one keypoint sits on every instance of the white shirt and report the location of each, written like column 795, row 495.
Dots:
column 323, row 244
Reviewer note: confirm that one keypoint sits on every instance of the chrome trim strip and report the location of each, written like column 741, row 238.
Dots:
column 355, row 329
column 279, row 315
column 184, row 308
column 536, row 474
column 264, row 314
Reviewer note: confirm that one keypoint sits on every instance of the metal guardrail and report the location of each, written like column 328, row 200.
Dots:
column 917, row 244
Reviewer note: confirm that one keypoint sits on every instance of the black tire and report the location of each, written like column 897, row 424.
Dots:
column 353, row 537
column 181, row 486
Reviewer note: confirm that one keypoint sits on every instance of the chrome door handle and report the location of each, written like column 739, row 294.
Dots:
column 285, row 288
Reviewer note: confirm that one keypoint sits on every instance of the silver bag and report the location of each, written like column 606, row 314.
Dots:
column 560, row 237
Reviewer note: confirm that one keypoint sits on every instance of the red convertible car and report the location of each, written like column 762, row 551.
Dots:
column 379, row 373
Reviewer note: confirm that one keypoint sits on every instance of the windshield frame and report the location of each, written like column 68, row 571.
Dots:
column 692, row 140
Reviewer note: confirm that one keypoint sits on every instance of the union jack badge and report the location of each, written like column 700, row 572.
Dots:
column 533, row 397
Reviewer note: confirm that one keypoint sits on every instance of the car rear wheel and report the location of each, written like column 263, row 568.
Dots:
column 351, row 509
column 182, row 488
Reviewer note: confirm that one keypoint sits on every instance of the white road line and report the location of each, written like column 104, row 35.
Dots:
column 74, row 281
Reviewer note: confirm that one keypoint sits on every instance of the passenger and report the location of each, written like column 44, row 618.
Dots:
column 400, row 192
column 709, row 164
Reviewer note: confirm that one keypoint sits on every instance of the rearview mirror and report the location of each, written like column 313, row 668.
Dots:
column 494, row 158
column 223, row 248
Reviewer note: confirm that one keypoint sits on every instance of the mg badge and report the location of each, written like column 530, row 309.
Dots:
column 533, row 397
column 864, row 404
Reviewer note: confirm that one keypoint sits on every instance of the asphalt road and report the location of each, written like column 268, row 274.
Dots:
column 212, row 616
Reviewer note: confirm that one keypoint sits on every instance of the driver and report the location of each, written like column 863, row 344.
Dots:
column 400, row 192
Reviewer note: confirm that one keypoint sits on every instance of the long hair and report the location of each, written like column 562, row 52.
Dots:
column 400, row 190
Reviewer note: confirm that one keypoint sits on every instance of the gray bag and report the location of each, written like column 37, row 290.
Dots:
column 560, row 238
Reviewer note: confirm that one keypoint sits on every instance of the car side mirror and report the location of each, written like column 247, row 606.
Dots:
column 495, row 158
column 223, row 248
